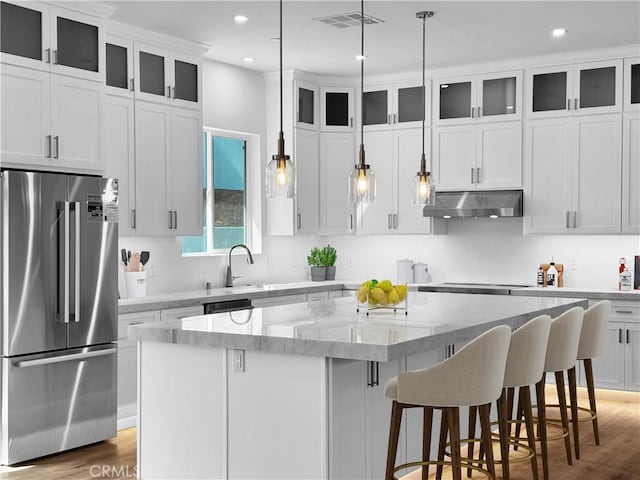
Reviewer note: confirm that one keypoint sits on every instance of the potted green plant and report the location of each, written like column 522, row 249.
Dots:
column 317, row 268
column 329, row 255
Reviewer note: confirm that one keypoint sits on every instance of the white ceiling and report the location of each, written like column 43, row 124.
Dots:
column 461, row 32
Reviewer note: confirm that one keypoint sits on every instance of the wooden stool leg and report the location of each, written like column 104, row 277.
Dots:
column 504, row 434
column 427, row 421
column 542, row 427
column 510, row 395
column 473, row 414
column 454, row 434
column 517, row 417
column 486, row 437
column 394, row 434
column 573, row 400
column 525, row 394
column 562, row 400
column 588, row 369
column 443, row 440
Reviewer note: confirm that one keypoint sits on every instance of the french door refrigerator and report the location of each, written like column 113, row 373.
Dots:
column 58, row 315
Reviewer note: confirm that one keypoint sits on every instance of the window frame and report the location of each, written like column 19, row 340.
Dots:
column 253, row 192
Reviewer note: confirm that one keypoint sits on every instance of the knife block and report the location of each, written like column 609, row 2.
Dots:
column 559, row 269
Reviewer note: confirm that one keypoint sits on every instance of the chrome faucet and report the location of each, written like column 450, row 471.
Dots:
column 230, row 277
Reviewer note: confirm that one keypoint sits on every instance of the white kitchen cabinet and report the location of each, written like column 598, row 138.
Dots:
column 580, row 89
column 127, row 367
column 618, row 367
column 573, row 171
column 168, row 170
column 167, row 77
column 119, row 71
column 338, row 156
column 278, row 300
column 484, row 156
column 478, row 98
column 394, row 157
column 631, row 173
column 337, row 106
column 306, row 156
column 52, row 39
column 50, row 121
column 181, row 312
column 306, row 105
column 631, row 84
column 119, row 156
column 397, row 105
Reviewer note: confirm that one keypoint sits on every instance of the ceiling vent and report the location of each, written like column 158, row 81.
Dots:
column 347, row 20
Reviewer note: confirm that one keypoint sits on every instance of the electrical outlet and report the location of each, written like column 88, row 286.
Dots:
column 270, row 265
column 349, row 262
column 150, row 269
column 572, row 263
column 238, row 360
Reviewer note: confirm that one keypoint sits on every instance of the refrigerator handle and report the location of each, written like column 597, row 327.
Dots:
column 76, row 249
column 63, row 267
column 65, row 358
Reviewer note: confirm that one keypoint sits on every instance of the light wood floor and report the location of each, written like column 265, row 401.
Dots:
column 617, row 458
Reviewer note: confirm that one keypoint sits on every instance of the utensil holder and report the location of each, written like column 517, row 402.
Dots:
column 136, row 283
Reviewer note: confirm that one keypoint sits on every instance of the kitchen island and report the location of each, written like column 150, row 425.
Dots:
column 297, row 391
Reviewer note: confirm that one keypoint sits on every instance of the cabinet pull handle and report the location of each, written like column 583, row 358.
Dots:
column 170, row 220
column 395, row 220
column 479, row 112
column 388, row 119
column 472, row 175
column 629, row 312
column 133, row 218
column 477, row 174
column 299, row 221
column 47, row 52
column 55, row 57
column 576, row 104
column 168, row 91
column 568, row 104
column 628, row 336
column 56, row 146
column 175, row 219
column 389, row 222
column 568, row 219
column 575, row 219
column 132, row 85
column 395, row 118
column 473, row 114
column 351, row 221
column 377, row 381
column 369, row 374
column 351, row 122
column 173, row 92
column 48, row 144
column 619, row 335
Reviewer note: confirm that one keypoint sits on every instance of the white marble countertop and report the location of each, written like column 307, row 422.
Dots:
column 573, row 292
column 334, row 329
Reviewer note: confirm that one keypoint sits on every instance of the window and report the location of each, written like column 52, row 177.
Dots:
column 231, row 194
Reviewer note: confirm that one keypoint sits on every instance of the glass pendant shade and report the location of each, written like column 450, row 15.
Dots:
column 423, row 189
column 280, row 177
column 362, row 185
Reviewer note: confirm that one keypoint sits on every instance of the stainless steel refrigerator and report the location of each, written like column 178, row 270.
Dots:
column 58, row 317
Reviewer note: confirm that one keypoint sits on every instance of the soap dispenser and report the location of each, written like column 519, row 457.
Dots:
column 552, row 275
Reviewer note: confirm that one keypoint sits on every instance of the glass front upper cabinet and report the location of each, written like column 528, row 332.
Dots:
column 581, row 89
column 398, row 105
column 119, row 66
column 479, row 98
column 336, row 109
column 51, row 39
column 632, row 84
column 306, row 98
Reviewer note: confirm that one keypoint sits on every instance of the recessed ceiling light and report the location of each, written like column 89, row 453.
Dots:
column 446, row 216
column 249, row 59
column 360, row 57
column 493, row 216
column 444, row 86
column 558, row 32
column 240, row 19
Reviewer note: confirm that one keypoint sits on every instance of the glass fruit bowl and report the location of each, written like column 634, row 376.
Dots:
column 381, row 295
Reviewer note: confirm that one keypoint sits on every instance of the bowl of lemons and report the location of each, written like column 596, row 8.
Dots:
column 374, row 295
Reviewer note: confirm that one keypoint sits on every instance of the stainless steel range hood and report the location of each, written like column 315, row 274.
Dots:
column 476, row 204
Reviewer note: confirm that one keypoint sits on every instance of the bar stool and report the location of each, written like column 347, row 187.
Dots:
column 473, row 376
column 525, row 365
column 562, row 352
column 592, row 340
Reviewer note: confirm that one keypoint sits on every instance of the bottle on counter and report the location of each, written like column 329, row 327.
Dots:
column 552, row 275
column 621, row 268
column 625, row 280
column 540, row 279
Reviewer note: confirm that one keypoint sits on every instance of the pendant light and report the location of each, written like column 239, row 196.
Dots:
column 362, row 182
column 280, row 173
column 423, row 187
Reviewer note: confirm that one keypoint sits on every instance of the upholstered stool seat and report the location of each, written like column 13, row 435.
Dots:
column 472, row 377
